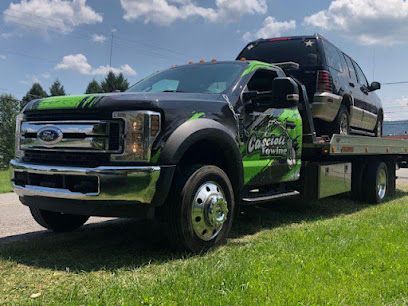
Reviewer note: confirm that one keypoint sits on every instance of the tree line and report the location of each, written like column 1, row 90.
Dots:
column 112, row 82
column 11, row 106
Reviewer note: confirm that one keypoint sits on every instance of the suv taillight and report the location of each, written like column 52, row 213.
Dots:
column 324, row 81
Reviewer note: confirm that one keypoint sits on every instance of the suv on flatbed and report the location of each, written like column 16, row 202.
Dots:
column 186, row 146
column 342, row 100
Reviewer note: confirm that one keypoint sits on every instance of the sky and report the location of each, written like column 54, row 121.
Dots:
column 70, row 40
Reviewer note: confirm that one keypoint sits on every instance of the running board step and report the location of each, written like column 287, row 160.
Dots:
column 266, row 198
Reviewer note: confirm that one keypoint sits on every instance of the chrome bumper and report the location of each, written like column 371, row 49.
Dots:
column 325, row 106
column 115, row 183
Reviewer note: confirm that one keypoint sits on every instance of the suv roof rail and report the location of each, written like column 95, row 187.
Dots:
column 287, row 65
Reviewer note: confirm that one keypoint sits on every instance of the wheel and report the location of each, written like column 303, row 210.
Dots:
column 341, row 124
column 379, row 127
column 199, row 215
column 376, row 182
column 57, row 222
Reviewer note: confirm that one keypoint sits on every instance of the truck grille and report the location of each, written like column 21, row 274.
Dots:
column 67, row 158
column 70, row 142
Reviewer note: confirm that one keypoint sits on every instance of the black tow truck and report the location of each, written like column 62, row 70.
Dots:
column 188, row 146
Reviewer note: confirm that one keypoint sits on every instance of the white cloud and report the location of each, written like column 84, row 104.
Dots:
column 165, row 12
column 2, row 57
column 370, row 22
column 46, row 75
column 79, row 63
column 98, row 38
column 55, row 15
column 6, row 35
column 396, row 109
column 125, row 69
column 30, row 79
column 271, row 28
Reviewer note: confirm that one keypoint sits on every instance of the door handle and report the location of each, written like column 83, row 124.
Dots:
column 290, row 125
column 352, row 84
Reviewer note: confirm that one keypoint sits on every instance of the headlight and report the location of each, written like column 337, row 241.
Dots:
column 140, row 131
column 18, row 151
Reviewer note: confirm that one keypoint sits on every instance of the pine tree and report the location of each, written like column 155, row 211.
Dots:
column 57, row 89
column 9, row 108
column 36, row 92
column 113, row 82
column 93, row 87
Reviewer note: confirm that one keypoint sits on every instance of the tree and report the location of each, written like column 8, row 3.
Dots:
column 57, row 89
column 113, row 82
column 93, row 87
column 9, row 108
column 35, row 92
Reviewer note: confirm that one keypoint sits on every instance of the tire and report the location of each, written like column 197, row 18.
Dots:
column 57, row 222
column 376, row 182
column 341, row 125
column 379, row 127
column 200, row 212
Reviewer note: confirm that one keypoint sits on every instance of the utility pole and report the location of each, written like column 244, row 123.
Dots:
column 111, row 49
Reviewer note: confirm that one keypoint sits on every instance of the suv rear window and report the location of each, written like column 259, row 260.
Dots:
column 301, row 51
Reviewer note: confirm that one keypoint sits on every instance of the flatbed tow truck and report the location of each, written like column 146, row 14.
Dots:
column 189, row 151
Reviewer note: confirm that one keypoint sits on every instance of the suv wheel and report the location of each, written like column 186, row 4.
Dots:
column 56, row 221
column 200, row 212
column 341, row 124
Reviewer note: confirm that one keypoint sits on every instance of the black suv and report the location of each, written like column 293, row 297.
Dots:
column 342, row 100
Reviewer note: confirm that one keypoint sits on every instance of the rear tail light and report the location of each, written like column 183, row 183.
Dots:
column 324, row 81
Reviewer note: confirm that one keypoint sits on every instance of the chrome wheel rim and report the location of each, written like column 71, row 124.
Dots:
column 381, row 183
column 209, row 211
column 344, row 125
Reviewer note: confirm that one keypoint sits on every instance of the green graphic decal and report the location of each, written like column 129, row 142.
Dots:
column 67, row 102
column 272, row 151
column 255, row 65
column 197, row 116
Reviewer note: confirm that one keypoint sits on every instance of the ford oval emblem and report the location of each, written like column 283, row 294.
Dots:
column 50, row 135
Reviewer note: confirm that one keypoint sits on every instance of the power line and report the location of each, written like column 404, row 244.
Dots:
column 395, row 83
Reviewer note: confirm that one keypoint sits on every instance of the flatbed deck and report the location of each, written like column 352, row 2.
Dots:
column 356, row 146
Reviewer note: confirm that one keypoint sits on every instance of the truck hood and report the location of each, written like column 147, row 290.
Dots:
column 119, row 101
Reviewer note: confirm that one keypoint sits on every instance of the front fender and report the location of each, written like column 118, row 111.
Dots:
column 193, row 131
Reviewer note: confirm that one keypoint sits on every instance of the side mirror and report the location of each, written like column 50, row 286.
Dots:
column 374, row 86
column 285, row 92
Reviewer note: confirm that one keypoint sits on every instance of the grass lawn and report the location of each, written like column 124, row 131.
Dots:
column 335, row 252
column 5, row 185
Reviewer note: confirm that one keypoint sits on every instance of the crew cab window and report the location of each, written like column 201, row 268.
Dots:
column 351, row 69
column 262, row 80
column 362, row 80
column 195, row 78
column 165, row 85
column 332, row 56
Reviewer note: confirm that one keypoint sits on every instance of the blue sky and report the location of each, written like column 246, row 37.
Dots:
column 42, row 40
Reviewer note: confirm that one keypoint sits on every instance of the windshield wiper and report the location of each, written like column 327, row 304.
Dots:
column 172, row 91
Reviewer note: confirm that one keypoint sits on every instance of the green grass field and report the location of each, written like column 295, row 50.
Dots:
column 5, row 185
column 335, row 252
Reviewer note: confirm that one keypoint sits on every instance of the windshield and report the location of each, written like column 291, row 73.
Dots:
column 303, row 52
column 198, row 78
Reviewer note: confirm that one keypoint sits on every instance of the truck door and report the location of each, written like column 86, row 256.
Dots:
column 272, row 138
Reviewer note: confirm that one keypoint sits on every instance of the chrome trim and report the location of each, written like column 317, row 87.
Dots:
column 77, row 136
column 87, row 144
column 116, row 183
column 271, row 197
column 90, row 128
